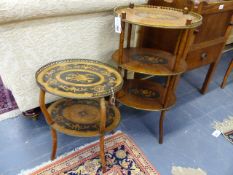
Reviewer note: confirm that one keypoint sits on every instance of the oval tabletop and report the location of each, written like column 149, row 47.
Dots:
column 79, row 78
column 160, row 17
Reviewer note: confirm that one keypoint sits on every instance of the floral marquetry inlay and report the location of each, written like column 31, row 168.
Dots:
column 145, row 93
column 150, row 59
column 76, row 78
column 81, row 117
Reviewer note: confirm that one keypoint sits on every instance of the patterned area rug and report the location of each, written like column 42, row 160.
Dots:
column 7, row 102
column 226, row 128
column 122, row 155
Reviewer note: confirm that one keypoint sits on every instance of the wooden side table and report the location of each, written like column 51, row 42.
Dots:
column 144, row 94
column 83, row 111
column 210, row 38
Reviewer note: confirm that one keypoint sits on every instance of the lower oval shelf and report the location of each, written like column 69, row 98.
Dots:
column 82, row 117
column 149, row 61
column 144, row 95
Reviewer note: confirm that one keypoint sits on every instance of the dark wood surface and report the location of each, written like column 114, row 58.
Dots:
column 203, row 56
column 210, row 37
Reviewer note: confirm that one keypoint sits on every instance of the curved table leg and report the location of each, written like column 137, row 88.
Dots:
column 54, row 143
column 50, row 121
column 170, row 86
column 229, row 69
column 162, row 116
column 102, row 131
column 102, row 154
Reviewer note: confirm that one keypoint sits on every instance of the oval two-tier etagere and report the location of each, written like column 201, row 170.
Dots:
column 145, row 94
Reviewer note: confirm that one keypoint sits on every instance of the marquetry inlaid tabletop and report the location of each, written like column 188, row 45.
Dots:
column 79, row 78
column 158, row 16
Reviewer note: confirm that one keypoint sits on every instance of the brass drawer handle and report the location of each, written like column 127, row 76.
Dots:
column 204, row 56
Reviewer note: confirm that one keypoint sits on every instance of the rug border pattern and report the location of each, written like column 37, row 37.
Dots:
column 112, row 140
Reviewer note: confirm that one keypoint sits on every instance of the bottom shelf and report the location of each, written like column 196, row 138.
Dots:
column 81, row 117
column 144, row 95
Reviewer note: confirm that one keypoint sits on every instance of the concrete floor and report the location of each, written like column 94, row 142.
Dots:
column 188, row 142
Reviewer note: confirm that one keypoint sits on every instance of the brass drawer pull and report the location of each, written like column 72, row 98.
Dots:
column 204, row 56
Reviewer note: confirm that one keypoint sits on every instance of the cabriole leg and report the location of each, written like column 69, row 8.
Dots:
column 102, row 131
column 162, row 116
column 102, row 154
column 54, row 143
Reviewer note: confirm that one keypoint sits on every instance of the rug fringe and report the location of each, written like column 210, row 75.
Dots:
column 225, row 126
column 187, row 171
column 10, row 114
column 26, row 172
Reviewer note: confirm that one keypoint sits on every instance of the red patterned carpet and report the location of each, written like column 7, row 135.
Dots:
column 7, row 101
column 122, row 155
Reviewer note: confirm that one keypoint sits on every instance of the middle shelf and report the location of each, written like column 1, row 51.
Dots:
column 149, row 61
column 81, row 117
column 145, row 95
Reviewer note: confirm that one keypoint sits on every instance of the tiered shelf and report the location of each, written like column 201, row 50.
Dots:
column 83, row 111
column 144, row 95
column 159, row 16
column 149, row 61
column 81, row 117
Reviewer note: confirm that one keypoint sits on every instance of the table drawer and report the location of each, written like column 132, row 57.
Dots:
column 203, row 56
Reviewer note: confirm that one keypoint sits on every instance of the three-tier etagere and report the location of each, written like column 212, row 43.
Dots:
column 145, row 94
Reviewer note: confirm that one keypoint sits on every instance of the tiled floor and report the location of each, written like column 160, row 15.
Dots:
column 25, row 143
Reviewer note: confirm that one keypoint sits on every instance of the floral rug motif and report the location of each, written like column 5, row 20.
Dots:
column 7, row 101
column 123, row 157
